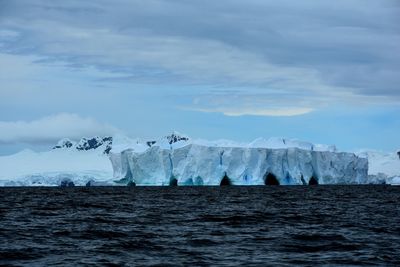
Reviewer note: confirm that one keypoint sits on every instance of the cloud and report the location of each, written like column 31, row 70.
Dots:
column 288, row 46
column 52, row 128
column 278, row 112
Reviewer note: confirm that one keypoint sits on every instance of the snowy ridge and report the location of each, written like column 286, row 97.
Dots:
column 177, row 140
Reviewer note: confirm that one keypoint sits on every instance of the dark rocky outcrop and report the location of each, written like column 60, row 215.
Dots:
column 87, row 144
column 150, row 143
column 92, row 143
column 65, row 143
column 173, row 138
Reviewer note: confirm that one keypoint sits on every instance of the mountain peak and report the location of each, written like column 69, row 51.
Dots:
column 86, row 144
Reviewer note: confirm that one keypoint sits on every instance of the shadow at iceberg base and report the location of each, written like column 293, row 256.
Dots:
column 269, row 179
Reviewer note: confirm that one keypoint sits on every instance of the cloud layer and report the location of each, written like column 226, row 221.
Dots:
column 52, row 128
column 330, row 51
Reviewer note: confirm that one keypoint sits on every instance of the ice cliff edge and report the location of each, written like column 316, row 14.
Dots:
column 199, row 164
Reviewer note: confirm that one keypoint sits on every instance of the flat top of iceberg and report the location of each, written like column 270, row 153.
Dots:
column 177, row 140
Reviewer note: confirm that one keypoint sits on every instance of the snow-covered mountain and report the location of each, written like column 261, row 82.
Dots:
column 85, row 144
column 81, row 162
column 117, row 160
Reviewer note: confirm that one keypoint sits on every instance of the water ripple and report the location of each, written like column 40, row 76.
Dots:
column 201, row 226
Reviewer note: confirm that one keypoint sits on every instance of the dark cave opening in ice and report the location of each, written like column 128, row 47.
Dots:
column 173, row 182
column 225, row 181
column 313, row 181
column 270, row 179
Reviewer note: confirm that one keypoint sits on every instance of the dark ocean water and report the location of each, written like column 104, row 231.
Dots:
column 201, row 226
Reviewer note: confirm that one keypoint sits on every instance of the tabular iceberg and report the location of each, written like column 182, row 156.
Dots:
column 194, row 164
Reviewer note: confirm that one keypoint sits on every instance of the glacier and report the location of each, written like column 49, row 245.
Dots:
column 179, row 160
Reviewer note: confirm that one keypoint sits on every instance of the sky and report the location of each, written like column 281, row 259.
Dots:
column 321, row 71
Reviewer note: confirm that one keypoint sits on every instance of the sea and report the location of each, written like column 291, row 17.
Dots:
column 350, row 225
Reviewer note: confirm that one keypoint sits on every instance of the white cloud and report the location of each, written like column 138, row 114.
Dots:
column 269, row 112
column 52, row 128
column 235, row 103
column 282, row 112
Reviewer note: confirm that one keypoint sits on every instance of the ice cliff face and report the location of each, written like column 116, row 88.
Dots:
column 194, row 164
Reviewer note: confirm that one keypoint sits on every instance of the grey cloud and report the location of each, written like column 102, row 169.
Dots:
column 319, row 48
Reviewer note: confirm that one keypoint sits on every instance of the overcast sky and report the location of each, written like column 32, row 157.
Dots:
column 321, row 71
